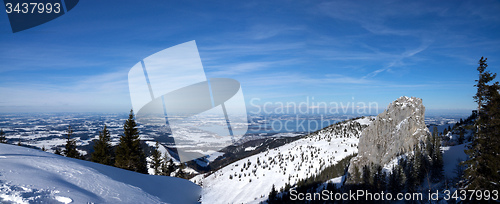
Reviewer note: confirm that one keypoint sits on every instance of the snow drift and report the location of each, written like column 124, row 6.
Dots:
column 29, row 175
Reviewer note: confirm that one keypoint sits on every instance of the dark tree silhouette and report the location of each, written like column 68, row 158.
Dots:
column 129, row 154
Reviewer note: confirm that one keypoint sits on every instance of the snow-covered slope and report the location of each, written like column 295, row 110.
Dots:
column 452, row 156
column 250, row 180
column 32, row 176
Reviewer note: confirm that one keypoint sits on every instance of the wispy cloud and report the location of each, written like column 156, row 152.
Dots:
column 232, row 69
column 248, row 49
column 266, row 31
column 398, row 60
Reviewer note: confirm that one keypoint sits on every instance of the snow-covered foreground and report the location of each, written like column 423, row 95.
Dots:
column 250, row 180
column 32, row 176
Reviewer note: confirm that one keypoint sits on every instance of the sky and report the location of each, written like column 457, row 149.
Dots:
column 280, row 51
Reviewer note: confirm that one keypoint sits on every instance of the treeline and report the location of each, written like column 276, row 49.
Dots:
column 459, row 128
column 311, row 184
column 424, row 165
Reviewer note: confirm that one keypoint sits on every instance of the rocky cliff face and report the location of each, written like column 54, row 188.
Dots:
column 394, row 132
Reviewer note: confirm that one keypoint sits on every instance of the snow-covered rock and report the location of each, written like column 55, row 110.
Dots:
column 394, row 132
column 33, row 176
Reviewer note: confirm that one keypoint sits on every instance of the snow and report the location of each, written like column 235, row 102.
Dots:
column 214, row 155
column 250, row 148
column 289, row 163
column 451, row 156
column 32, row 176
column 63, row 199
column 338, row 181
column 365, row 120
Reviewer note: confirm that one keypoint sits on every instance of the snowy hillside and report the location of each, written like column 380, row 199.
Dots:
column 250, row 180
column 32, row 176
column 452, row 156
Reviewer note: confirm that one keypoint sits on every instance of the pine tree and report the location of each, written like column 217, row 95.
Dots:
column 156, row 160
column 167, row 166
column 58, row 152
column 70, row 147
column 129, row 153
column 273, row 195
column 171, row 167
column 395, row 180
column 461, row 137
column 181, row 173
column 430, row 141
column 2, row 136
column 379, row 180
column 437, row 160
column 103, row 152
column 417, row 172
column 366, row 175
column 435, row 131
column 483, row 167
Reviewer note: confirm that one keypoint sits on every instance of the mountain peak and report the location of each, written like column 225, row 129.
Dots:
column 394, row 132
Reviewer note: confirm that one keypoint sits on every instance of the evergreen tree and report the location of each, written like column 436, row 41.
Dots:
column 409, row 174
column 58, row 152
column 181, row 173
column 70, row 147
column 417, row 172
column 103, row 152
column 437, row 160
column 156, row 160
column 2, row 136
column 435, row 131
column 483, row 167
column 273, row 195
column 167, row 166
column 171, row 167
column 129, row 153
column 429, row 143
column 366, row 176
column 395, row 180
column 461, row 137
column 379, row 180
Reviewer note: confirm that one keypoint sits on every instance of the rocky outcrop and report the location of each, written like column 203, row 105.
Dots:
column 394, row 132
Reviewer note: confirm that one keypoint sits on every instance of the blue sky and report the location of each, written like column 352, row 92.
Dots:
column 280, row 51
